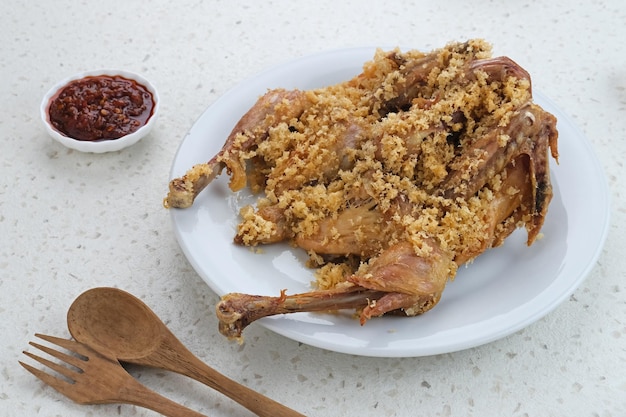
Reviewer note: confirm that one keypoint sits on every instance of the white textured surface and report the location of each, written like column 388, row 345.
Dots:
column 71, row 221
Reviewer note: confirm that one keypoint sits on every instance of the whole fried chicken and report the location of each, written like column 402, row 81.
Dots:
column 389, row 181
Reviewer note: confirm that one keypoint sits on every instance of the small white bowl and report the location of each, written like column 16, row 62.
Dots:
column 102, row 145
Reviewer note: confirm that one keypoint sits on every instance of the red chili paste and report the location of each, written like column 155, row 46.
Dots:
column 101, row 107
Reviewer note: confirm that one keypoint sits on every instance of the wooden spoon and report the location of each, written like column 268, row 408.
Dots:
column 120, row 323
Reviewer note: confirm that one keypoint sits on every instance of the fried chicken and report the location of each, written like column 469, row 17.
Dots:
column 394, row 178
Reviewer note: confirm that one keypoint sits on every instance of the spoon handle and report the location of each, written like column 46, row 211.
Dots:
column 189, row 365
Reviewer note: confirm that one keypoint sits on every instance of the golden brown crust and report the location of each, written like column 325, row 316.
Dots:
column 401, row 152
column 417, row 165
column 340, row 156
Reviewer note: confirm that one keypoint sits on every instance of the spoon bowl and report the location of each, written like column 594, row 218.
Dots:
column 116, row 322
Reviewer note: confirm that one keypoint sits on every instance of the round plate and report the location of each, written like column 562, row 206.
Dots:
column 503, row 291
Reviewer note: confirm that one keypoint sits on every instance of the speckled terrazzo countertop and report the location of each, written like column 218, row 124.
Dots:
column 71, row 221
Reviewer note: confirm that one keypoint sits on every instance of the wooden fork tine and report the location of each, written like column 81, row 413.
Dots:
column 58, row 384
column 64, row 357
column 70, row 345
column 63, row 370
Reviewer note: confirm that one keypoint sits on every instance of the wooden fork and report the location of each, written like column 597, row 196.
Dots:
column 98, row 379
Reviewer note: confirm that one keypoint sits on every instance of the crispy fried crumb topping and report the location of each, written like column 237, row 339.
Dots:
column 351, row 149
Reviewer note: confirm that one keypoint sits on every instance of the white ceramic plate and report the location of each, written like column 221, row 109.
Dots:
column 503, row 291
